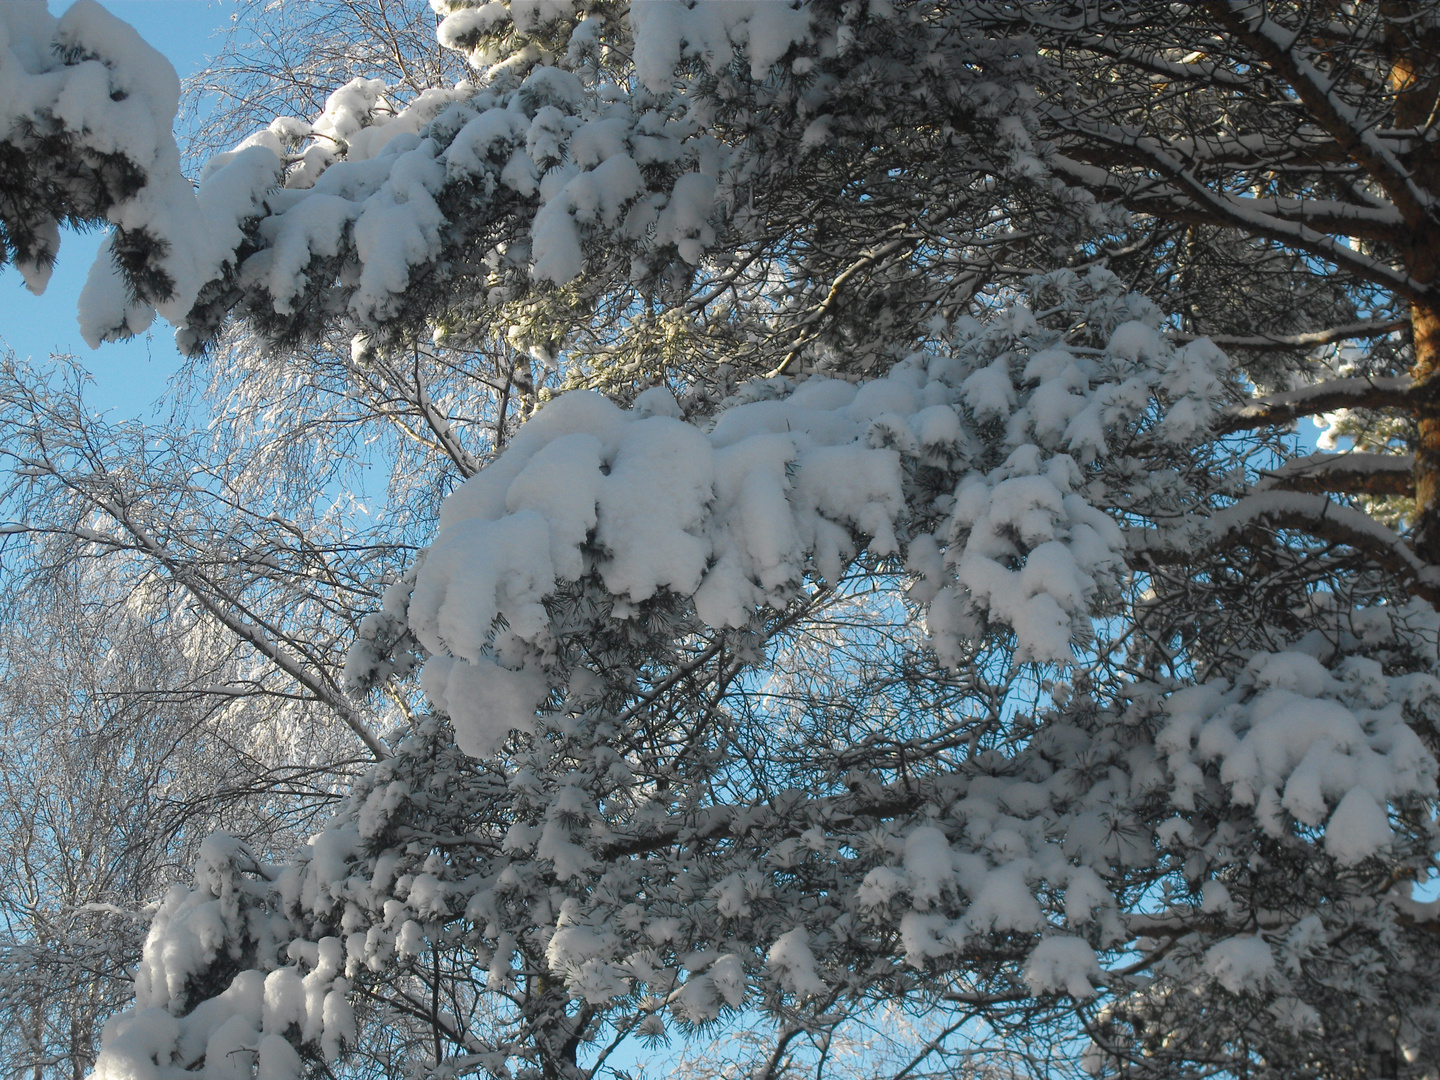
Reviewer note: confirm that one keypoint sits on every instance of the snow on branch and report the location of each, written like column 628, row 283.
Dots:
column 1176, row 193
column 1310, row 340
column 790, row 483
column 1325, row 519
column 1322, row 397
column 85, row 117
column 87, row 110
column 1354, row 474
column 1279, row 47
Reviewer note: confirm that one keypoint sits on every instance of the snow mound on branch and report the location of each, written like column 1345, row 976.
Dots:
column 666, row 33
column 656, row 505
column 793, row 963
column 1240, row 963
column 88, row 83
column 792, row 482
column 167, row 1036
column 1063, row 963
column 1303, row 745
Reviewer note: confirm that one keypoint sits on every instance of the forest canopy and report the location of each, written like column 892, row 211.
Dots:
column 843, row 589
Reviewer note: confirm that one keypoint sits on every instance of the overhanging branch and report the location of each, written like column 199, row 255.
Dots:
column 1312, row 340
column 1349, row 474
column 1314, row 515
column 1273, row 409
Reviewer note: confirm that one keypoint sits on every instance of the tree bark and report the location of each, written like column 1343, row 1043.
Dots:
column 1425, row 322
column 1412, row 44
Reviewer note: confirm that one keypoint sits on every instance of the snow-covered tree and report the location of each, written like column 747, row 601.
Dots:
column 700, row 759
column 776, row 218
column 915, row 627
column 167, row 620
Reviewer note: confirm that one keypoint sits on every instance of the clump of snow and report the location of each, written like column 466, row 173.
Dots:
column 90, row 79
column 1298, row 744
column 1240, row 964
column 485, row 701
column 1358, row 828
column 793, row 964
column 246, row 1024
column 1065, row 964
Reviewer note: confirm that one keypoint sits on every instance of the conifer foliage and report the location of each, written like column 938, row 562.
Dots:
column 914, row 605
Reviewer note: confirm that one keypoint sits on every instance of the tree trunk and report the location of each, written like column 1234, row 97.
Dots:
column 1425, row 323
column 1412, row 45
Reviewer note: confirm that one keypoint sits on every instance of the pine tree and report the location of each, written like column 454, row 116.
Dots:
column 934, row 618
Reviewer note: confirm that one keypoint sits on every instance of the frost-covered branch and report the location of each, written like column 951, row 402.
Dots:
column 1323, row 397
column 1190, row 199
column 1326, row 519
column 1308, row 340
column 1352, row 473
column 1275, row 44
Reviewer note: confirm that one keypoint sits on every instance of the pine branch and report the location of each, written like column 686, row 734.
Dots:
column 1305, row 341
column 1350, row 474
column 1323, row 397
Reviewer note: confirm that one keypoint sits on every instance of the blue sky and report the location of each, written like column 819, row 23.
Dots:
column 129, row 376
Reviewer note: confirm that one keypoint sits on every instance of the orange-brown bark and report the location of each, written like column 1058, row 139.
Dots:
column 1425, row 322
column 1411, row 44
